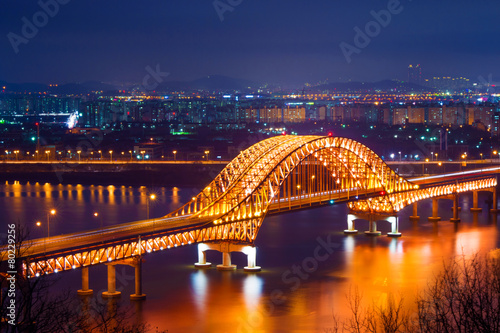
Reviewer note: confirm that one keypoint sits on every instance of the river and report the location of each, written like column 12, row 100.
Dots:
column 280, row 298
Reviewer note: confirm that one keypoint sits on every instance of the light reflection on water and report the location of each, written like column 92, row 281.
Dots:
column 180, row 298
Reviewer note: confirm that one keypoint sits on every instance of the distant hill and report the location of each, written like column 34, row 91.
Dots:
column 210, row 83
column 385, row 85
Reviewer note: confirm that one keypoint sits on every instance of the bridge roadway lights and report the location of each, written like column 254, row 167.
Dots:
column 85, row 291
column 226, row 248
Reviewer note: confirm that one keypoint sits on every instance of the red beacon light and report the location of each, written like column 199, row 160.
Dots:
column 382, row 192
column 330, row 133
column 283, row 133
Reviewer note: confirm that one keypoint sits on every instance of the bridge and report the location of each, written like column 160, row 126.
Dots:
column 274, row 176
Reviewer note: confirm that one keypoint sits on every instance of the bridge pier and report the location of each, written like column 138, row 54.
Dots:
column 372, row 227
column 226, row 262
column 135, row 262
column 138, row 281
column 111, row 293
column 350, row 225
column 85, row 291
column 202, row 257
column 251, row 252
column 455, row 217
column 474, row 207
column 494, row 208
column 434, row 217
column 394, row 220
column 226, row 248
column 415, row 216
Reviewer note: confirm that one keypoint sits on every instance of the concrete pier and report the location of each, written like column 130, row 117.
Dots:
column 138, row 281
column 435, row 206
column 350, row 225
column 85, row 291
column 475, row 207
column 455, row 217
column 111, row 293
column 415, row 216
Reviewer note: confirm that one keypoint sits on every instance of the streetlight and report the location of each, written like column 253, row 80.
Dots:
column 392, row 156
column 399, row 156
column 100, row 152
column 206, row 153
column 496, row 153
column 481, row 154
column 436, row 156
column 175, row 155
column 96, row 214
column 143, row 152
column 79, row 152
column 148, row 199
column 16, row 152
column 130, row 151
column 111, row 155
column 52, row 212
column 48, row 154
column 432, row 156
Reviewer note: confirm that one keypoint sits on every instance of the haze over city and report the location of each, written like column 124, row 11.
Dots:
column 287, row 43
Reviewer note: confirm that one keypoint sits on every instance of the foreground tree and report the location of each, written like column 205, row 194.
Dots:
column 464, row 297
column 39, row 309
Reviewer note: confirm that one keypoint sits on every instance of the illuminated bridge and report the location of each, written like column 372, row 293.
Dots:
column 277, row 175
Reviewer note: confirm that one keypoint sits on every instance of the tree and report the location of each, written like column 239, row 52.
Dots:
column 38, row 309
column 463, row 297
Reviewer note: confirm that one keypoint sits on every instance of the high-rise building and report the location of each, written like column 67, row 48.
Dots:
column 295, row 114
column 415, row 74
column 399, row 116
column 435, row 116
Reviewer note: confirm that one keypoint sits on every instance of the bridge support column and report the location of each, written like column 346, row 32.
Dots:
column 415, row 216
column 435, row 205
column 455, row 217
column 251, row 252
column 474, row 207
column 350, row 225
column 202, row 257
column 494, row 208
column 394, row 220
column 138, row 282
column 111, row 293
column 226, row 257
column 373, row 228
column 226, row 262
column 85, row 291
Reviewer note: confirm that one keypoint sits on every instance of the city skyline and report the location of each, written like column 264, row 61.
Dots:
column 267, row 43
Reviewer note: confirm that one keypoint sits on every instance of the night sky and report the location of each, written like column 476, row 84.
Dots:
column 285, row 42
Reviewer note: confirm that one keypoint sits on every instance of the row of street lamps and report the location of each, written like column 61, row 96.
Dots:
column 100, row 152
column 52, row 212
